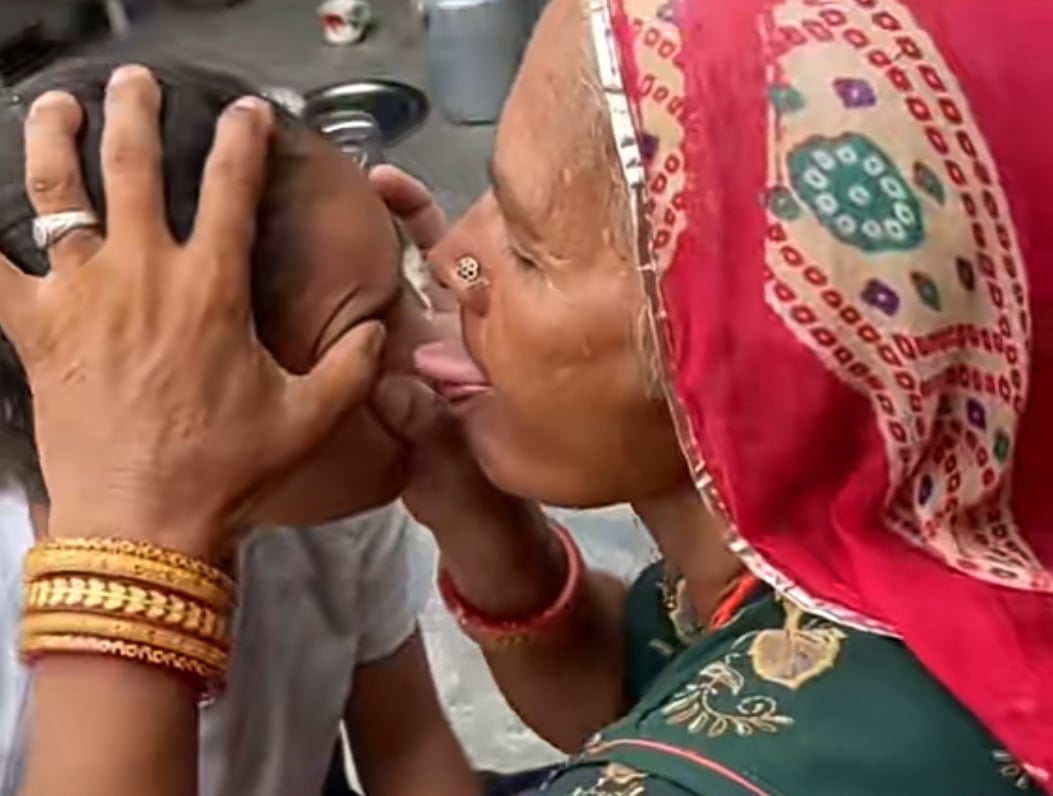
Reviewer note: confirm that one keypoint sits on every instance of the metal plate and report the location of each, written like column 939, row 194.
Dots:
column 399, row 109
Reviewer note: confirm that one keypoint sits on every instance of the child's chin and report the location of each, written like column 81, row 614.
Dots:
column 387, row 492
column 384, row 485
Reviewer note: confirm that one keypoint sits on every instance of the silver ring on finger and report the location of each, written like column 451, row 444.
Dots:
column 50, row 228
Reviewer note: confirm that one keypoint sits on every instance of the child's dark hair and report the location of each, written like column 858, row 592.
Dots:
column 193, row 98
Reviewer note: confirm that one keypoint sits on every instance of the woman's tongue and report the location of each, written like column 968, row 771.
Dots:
column 451, row 368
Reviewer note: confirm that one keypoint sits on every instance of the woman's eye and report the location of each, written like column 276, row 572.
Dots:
column 521, row 258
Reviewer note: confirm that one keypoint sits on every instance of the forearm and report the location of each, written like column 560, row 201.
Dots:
column 569, row 687
column 107, row 727
column 431, row 761
column 404, row 747
column 565, row 686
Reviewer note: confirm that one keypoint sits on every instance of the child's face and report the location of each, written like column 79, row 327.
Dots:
column 351, row 272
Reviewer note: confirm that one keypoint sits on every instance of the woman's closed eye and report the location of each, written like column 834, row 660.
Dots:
column 521, row 258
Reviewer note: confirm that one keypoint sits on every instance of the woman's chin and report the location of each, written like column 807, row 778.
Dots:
column 525, row 471
column 535, row 483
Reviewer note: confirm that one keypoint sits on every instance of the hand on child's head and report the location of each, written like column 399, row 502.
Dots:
column 325, row 258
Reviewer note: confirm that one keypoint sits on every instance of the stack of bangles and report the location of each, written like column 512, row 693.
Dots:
column 131, row 600
column 496, row 635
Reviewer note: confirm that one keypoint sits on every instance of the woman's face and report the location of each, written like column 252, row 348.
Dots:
column 350, row 272
column 569, row 413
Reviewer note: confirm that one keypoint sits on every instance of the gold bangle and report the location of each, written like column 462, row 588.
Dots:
column 144, row 550
column 50, row 643
column 78, row 557
column 135, row 632
column 117, row 599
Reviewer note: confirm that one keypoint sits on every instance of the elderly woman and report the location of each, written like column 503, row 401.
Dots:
column 773, row 272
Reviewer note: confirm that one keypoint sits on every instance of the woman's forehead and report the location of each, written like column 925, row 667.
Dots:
column 545, row 127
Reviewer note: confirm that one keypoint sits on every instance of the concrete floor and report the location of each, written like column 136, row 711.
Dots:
column 279, row 42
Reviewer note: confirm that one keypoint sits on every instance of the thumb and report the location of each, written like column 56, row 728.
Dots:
column 337, row 385
column 409, row 409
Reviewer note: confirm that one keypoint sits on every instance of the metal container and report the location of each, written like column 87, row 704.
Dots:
column 473, row 52
column 400, row 109
column 364, row 117
column 357, row 134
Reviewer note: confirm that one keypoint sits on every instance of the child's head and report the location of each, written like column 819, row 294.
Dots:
column 326, row 257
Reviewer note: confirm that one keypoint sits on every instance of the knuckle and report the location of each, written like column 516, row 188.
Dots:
column 231, row 169
column 128, row 157
column 52, row 182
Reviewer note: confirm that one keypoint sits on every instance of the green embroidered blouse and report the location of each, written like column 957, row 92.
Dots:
column 780, row 703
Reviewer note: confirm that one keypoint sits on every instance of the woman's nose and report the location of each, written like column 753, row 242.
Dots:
column 440, row 297
column 460, row 273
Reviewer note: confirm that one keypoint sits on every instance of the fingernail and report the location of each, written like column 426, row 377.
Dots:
column 52, row 99
column 252, row 104
column 129, row 72
column 257, row 109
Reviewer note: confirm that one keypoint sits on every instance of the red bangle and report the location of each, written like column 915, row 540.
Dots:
column 496, row 634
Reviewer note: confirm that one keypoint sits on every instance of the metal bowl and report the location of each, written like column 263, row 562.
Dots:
column 357, row 134
column 399, row 109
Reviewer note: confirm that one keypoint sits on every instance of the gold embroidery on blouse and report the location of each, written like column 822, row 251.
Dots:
column 801, row 650
column 616, row 780
column 719, row 699
column 663, row 648
column 678, row 606
column 714, row 702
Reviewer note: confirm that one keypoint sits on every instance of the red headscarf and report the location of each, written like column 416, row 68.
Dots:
column 849, row 265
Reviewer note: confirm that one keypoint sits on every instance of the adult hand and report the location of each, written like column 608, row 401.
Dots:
column 159, row 415
column 409, row 200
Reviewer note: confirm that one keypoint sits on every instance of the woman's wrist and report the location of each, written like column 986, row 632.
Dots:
column 124, row 598
column 189, row 534
column 512, row 568
column 500, row 633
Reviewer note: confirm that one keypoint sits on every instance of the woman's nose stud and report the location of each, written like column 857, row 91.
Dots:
column 469, row 271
